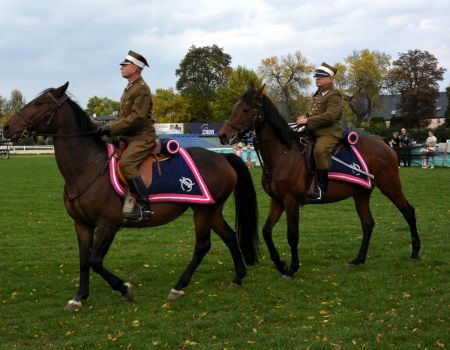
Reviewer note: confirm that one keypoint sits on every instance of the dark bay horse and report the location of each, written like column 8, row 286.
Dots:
column 286, row 176
column 96, row 209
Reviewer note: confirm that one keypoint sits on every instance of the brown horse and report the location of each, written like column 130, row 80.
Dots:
column 286, row 176
column 96, row 209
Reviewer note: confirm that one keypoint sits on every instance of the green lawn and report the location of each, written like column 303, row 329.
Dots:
column 389, row 303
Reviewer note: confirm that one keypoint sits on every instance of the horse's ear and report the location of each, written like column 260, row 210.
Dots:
column 261, row 90
column 250, row 86
column 61, row 90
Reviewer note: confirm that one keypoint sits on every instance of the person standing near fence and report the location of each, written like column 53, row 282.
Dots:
column 429, row 150
column 249, row 156
column 405, row 145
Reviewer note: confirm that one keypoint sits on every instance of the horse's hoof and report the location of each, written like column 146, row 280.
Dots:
column 415, row 259
column 352, row 264
column 175, row 294
column 73, row 305
column 287, row 277
column 234, row 285
column 130, row 292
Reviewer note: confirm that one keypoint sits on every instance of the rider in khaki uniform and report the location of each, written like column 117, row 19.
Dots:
column 135, row 126
column 324, row 121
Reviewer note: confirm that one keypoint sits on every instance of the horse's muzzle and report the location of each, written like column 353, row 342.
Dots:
column 223, row 138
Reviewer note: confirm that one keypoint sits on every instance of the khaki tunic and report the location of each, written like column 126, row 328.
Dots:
column 135, row 125
column 324, row 121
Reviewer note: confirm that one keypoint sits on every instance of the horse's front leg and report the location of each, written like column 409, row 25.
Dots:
column 104, row 236
column 275, row 211
column 292, row 217
column 85, row 238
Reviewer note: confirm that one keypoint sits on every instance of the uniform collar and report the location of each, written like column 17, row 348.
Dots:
column 132, row 83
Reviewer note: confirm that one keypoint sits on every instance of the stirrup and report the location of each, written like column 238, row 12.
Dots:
column 316, row 196
column 139, row 214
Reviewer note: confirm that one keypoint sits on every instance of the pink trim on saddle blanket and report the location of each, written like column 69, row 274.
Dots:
column 365, row 182
column 205, row 198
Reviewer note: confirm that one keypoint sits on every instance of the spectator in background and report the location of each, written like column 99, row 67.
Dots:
column 395, row 144
column 249, row 156
column 429, row 150
column 405, row 145
column 238, row 147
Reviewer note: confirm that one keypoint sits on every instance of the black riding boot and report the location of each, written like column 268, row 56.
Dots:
column 141, row 211
column 322, row 184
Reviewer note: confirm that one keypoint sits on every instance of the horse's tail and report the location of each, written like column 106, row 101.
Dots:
column 246, row 207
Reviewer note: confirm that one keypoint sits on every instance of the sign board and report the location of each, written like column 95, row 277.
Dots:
column 169, row 128
column 205, row 129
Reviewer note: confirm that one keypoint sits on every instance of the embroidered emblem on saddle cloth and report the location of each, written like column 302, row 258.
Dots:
column 175, row 179
column 349, row 154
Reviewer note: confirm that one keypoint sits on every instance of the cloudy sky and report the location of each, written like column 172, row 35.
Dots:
column 46, row 43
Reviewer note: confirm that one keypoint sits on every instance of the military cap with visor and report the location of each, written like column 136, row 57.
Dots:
column 325, row 70
column 135, row 58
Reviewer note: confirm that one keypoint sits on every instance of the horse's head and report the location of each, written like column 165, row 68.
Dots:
column 37, row 115
column 245, row 110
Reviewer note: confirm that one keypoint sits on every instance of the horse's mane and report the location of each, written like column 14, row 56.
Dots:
column 277, row 121
column 84, row 122
column 274, row 117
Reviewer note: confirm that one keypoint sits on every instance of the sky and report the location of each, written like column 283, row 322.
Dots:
column 45, row 43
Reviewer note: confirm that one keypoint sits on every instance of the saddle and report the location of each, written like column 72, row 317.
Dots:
column 308, row 141
column 162, row 151
column 347, row 163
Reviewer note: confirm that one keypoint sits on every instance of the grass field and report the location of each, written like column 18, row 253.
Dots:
column 389, row 303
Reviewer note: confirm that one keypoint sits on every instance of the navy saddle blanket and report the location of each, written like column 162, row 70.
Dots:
column 180, row 180
column 350, row 155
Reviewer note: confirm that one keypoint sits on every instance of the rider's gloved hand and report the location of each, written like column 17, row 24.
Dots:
column 103, row 130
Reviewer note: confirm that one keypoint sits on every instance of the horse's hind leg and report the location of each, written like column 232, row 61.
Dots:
column 367, row 223
column 395, row 194
column 85, row 240
column 221, row 227
column 275, row 211
column 202, row 220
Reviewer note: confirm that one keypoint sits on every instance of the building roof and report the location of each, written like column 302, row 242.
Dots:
column 388, row 106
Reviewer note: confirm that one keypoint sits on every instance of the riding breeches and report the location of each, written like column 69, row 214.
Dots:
column 134, row 155
column 323, row 150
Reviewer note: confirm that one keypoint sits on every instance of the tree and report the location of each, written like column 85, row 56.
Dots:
column 415, row 76
column 169, row 107
column 2, row 110
column 364, row 79
column 102, row 106
column 229, row 93
column 15, row 103
column 11, row 105
column 286, row 78
column 200, row 74
column 447, row 112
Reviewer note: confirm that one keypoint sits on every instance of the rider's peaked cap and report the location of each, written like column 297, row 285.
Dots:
column 136, row 59
column 325, row 70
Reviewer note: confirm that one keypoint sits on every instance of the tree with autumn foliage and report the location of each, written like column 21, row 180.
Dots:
column 102, row 106
column 364, row 79
column 170, row 107
column 287, row 78
column 415, row 75
column 229, row 93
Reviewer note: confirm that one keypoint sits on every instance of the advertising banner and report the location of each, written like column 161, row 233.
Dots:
column 204, row 129
column 169, row 128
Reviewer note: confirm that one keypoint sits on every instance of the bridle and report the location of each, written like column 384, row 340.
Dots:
column 257, row 115
column 49, row 115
